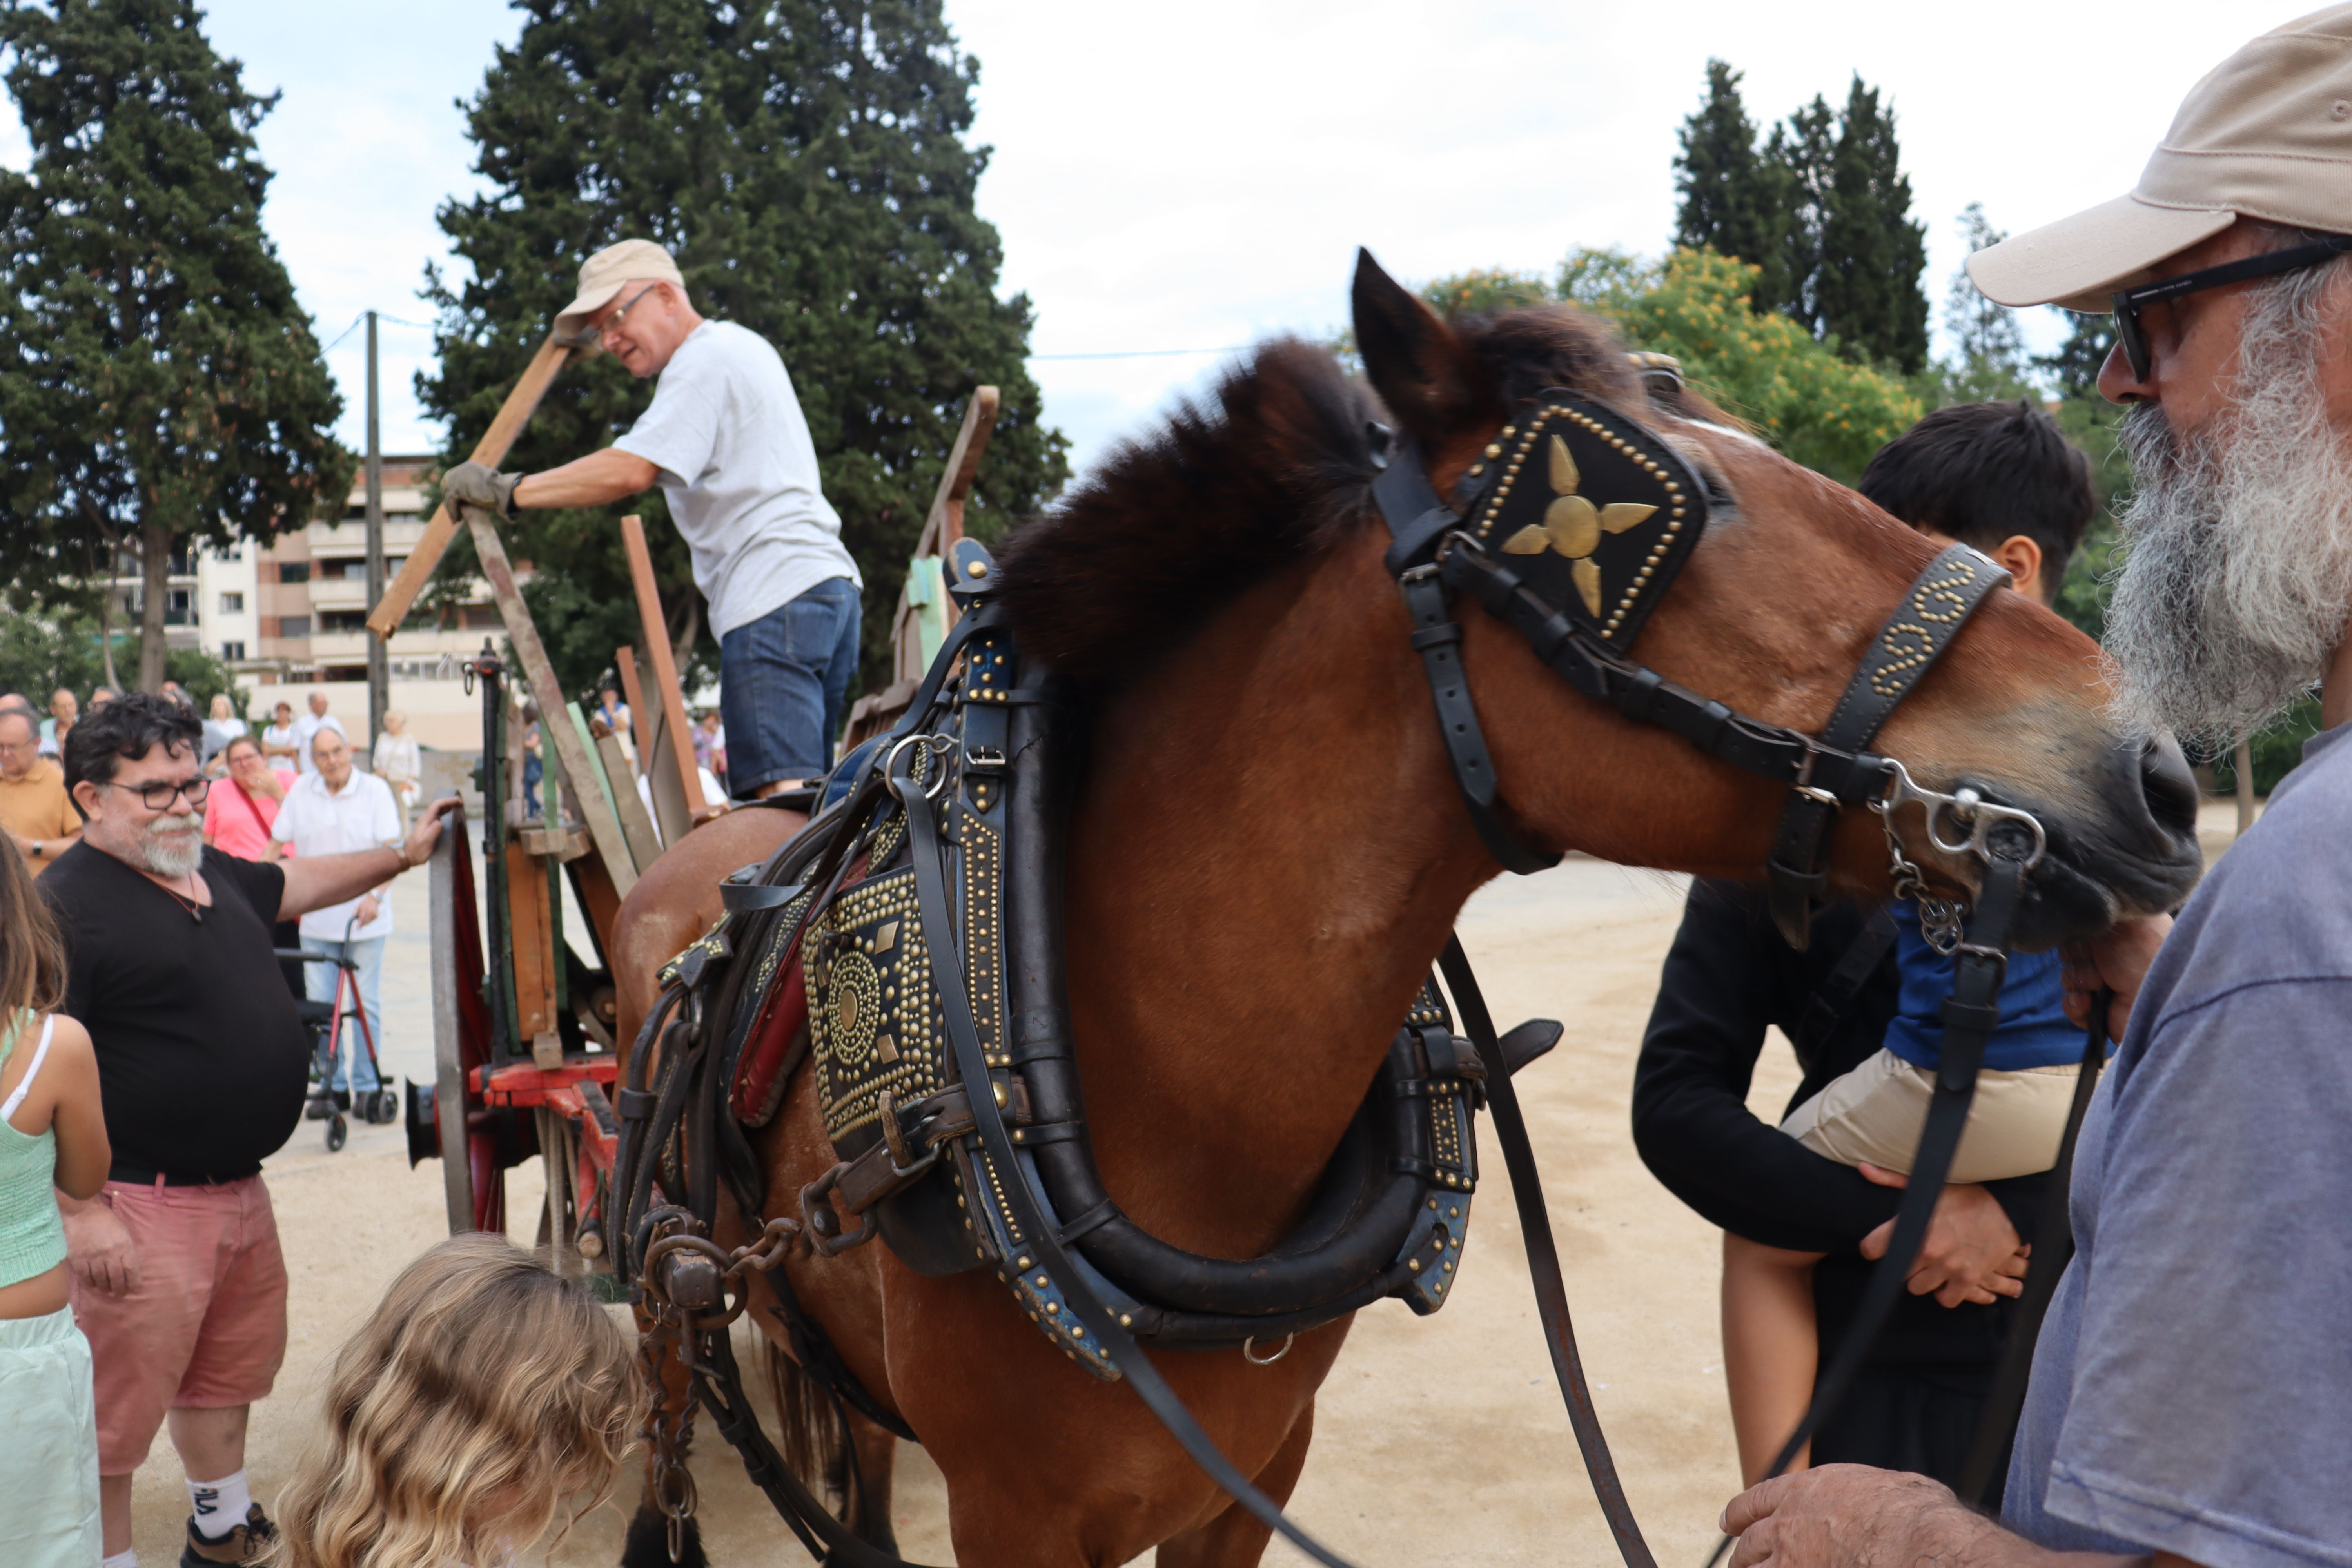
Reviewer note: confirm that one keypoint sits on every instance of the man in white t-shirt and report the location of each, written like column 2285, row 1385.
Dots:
column 306, row 731
column 725, row 441
column 333, row 809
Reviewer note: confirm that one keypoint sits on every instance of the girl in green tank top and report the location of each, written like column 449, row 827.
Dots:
column 52, row 1139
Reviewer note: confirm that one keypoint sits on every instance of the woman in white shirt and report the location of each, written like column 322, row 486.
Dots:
column 397, row 762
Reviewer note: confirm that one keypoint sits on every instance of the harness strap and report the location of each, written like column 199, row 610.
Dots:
column 1833, row 996
column 1923, row 625
column 2054, row 1245
column 1543, row 1258
column 1437, row 637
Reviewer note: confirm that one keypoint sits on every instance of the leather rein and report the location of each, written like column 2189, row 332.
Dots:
column 679, row 1138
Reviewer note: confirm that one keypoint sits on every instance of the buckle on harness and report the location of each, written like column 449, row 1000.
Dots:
column 1803, row 783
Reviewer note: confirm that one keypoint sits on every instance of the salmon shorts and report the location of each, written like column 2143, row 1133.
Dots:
column 206, row 1328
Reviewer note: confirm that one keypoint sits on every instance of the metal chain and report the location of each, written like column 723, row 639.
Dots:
column 1940, row 919
column 666, row 1432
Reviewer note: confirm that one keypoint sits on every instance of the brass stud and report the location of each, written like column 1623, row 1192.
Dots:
column 1492, row 451
column 1413, row 1265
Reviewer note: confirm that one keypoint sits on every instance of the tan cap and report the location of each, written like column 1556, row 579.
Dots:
column 2267, row 134
column 609, row 270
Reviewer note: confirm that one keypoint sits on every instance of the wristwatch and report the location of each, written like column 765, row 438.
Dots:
column 38, row 852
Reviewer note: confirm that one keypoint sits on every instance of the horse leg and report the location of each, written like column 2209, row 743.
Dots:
column 647, row 1544
column 1236, row 1539
column 865, row 1490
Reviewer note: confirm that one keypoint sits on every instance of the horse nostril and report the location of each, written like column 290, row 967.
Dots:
column 2169, row 787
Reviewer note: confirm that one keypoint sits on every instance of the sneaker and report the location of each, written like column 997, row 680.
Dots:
column 241, row 1545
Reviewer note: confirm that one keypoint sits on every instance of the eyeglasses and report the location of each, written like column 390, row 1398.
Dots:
column 159, row 796
column 614, row 319
column 2129, row 301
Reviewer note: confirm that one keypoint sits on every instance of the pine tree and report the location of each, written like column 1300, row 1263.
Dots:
column 804, row 160
column 1988, row 360
column 1734, row 201
column 2076, row 364
column 1867, row 289
column 1801, row 151
column 159, row 386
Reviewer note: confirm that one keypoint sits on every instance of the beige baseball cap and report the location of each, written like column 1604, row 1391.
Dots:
column 612, row 269
column 2267, row 134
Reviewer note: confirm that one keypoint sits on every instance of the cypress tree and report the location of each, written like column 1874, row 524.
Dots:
column 159, row 386
column 1801, row 153
column 1734, row 201
column 804, row 160
column 1866, row 289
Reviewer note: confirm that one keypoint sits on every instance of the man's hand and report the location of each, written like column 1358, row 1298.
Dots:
column 476, row 484
column 427, row 831
column 369, row 908
column 1971, row 1252
column 2117, row 960
column 1851, row 1516
column 99, row 1248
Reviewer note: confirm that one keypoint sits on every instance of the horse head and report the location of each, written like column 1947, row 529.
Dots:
column 1770, row 615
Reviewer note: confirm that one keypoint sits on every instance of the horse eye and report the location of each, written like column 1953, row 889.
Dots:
column 1717, row 497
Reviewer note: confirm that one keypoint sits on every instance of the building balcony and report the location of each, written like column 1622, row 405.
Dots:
column 339, row 594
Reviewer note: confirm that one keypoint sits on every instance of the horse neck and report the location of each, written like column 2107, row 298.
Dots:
column 1267, row 852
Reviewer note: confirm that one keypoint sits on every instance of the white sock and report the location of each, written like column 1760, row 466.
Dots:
column 220, row 1505
column 126, row 1558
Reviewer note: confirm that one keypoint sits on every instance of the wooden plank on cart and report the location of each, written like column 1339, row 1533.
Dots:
column 668, row 693
column 448, row 1065
column 636, row 823
column 925, row 614
column 492, row 448
column 603, row 827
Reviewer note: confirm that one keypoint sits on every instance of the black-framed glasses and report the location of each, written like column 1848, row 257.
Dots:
column 614, row 319
column 2129, row 301
column 159, row 796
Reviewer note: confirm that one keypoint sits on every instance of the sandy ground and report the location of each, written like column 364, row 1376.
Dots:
column 1439, row 1440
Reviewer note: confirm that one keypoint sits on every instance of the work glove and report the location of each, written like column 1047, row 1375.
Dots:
column 475, row 484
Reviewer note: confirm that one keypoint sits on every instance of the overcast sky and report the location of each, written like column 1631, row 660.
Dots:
column 1190, row 178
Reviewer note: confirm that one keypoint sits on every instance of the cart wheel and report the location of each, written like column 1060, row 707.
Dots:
column 383, row 1108
column 339, row 1130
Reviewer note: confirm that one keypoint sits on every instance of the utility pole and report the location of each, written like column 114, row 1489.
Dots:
column 379, row 662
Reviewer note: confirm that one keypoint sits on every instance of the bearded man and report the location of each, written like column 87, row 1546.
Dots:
column 178, row 1282
column 2191, row 1399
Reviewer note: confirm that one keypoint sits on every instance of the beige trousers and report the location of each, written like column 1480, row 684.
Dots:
column 1875, row 1112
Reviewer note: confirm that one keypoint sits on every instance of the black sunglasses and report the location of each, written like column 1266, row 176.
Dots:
column 2128, row 302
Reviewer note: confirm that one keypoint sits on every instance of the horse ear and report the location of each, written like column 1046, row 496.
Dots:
column 1423, row 373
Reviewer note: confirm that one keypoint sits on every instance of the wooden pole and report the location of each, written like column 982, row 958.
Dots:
column 603, row 827
column 496, row 442
column 641, row 725
column 665, row 671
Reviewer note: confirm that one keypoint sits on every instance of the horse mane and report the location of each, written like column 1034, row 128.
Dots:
column 1273, row 465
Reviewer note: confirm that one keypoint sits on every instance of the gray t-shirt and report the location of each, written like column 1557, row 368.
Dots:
column 736, row 460
column 2193, row 1387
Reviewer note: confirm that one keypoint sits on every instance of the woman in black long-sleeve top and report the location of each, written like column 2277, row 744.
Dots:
column 1728, row 977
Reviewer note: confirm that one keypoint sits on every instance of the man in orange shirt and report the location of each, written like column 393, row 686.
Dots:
column 34, row 807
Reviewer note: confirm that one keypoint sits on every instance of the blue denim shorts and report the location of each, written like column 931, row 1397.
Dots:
column 783, row 685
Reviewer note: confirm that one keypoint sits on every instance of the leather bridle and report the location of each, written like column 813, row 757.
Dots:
column 1438, row 550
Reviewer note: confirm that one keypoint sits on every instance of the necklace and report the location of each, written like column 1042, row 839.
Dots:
column 186, row 901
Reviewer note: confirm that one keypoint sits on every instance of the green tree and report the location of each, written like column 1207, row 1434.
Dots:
column 1734, row 201
column 805, row 162
column 1987, row 362
column 1866, row 293
column 1822, row 409
column 1801, row 151
column 160, row 389
column 2076, row 364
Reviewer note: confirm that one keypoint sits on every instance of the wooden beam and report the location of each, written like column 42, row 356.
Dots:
column 667, row 689
column 603, row 827
column 943, row 525
column 636, row 825
column 641, row 729
column 492, row 448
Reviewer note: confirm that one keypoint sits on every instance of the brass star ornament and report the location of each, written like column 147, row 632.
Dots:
column 1572, row 526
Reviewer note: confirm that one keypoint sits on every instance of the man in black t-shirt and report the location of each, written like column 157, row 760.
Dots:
column 178, row 1282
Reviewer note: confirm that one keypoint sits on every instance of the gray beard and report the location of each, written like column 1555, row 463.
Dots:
column 2238, row 585
column 173, row 846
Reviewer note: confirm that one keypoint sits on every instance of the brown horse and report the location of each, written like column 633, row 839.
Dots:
column 1269, row 851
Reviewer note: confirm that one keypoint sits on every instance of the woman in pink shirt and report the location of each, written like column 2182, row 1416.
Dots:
column 238, row 816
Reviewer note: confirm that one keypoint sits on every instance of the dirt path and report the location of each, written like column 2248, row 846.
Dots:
column 1439, row 1441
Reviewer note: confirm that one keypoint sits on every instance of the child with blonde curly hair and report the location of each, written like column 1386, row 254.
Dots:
column 482, row 1393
